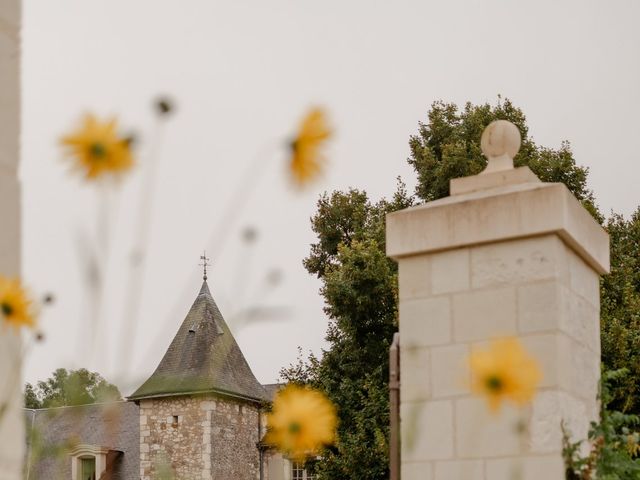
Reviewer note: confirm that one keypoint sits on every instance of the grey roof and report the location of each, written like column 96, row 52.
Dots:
column 272, row 389
column 53, row 432
column 203, row 357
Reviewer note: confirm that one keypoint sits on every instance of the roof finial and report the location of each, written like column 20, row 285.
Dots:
column 205, row 263
column 500, row 142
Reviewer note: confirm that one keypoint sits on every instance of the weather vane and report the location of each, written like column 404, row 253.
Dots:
column 205, row 263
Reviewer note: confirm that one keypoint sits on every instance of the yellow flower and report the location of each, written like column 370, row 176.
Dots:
column 302, row 421
column 306, row 160
column 16, row 308
column 505, row 371
column 97, row 148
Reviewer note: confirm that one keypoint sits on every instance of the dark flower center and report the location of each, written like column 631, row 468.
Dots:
column 7, row 309
column 98, row 150
column 293, row 145
column 294, row 428
column 494, row 383
column 164, row 106
column 129, row 140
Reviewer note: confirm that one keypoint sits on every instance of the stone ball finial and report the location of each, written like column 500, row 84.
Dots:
column 500, row 142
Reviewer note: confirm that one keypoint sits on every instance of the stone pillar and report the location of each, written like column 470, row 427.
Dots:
column 503, row 255
column 11, row 420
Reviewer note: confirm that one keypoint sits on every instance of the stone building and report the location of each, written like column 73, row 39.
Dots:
column 200, row 415
column 201, row 408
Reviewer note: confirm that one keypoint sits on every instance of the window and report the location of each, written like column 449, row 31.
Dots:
column 298, row 472
column 88, row 462
column 88, row 467
column 172, row 421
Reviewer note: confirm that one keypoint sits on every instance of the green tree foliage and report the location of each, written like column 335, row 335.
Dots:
column 359, row 283
column 613, row 440
column 360, row 288
column 75, row 387
column 448, row 146
column 620, row 311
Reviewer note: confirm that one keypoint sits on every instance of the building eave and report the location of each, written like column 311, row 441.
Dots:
column 199, row 392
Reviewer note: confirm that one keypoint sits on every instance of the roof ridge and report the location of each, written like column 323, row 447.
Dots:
column 74, row 406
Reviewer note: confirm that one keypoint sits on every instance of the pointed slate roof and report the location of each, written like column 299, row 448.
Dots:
column 203, row 357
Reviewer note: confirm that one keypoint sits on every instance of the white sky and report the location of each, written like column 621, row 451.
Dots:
column 242, row 74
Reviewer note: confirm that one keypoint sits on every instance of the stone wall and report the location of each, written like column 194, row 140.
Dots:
column 11, row 427
column 537, row 289
column 213, row 438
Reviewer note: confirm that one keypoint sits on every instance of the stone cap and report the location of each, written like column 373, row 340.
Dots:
column 500, row 143
column 497, row 214
column 487, row 180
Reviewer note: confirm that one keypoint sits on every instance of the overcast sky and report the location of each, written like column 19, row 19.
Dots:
column 242, row 74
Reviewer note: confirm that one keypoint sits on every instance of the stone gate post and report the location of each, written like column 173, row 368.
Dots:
column 505, row 254
column 11, row 416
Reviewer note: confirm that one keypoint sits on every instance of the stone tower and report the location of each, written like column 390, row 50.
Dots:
column 200, row 411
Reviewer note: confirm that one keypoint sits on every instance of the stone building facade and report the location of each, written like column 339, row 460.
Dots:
column 200, row 411
column 200, row 415
column 201, row 436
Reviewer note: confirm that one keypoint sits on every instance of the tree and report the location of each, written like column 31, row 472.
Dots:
column 75, row 387
column 613, row 441
column 360, row 288
column 359, row 283
column 620, row 311
column 448, row 146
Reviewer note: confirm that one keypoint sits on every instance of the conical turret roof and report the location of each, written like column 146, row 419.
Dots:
column 203, row 357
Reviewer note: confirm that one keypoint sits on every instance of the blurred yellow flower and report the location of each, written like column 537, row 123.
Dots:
column 504, row 371
column 301, row 422
column 306, row 160
column 16, row 309
column 98, row 149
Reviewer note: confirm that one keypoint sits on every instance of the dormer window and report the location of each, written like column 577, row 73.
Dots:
column 88, row 462
column 88, row 468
